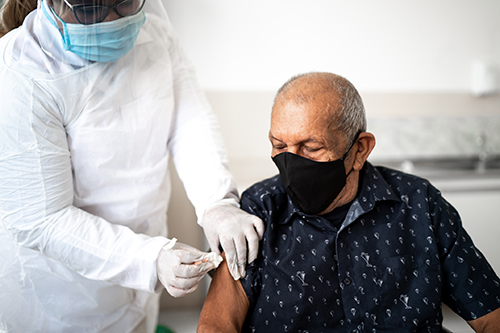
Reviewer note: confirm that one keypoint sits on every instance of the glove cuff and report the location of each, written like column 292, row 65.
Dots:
column 170, row 244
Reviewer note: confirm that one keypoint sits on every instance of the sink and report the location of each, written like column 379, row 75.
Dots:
column 463, row 163
column 452, row 174
column 446, row 166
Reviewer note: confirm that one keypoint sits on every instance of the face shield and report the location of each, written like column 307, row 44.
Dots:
column 95, row 11
column 75, row 33
column 92, row 12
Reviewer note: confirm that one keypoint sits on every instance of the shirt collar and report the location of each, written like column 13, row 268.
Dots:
column 373, row 188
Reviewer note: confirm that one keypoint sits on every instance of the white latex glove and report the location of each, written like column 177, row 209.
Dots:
column 180, row 267
column 233, row 228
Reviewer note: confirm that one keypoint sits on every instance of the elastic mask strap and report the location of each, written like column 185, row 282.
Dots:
column 350, row 147
column 51, row 20
column 45, row 5
column 345, row 155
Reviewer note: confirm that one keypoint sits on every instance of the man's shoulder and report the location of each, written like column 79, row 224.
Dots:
column 398, row 180
column 271, row 185
column 268, row 195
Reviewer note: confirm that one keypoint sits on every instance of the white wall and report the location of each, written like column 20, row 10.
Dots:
column 384, row 45
column 407, row 58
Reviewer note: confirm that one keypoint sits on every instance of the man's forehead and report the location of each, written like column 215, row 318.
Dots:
column 316, row 117
column 318, row 106
column 300, row 116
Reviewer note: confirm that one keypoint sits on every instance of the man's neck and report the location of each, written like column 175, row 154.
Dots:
column 347, row 194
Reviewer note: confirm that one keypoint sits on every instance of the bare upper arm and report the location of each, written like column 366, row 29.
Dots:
column 489, row 323
column 226, row 304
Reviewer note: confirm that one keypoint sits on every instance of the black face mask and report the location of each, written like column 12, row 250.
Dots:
column 312, row 186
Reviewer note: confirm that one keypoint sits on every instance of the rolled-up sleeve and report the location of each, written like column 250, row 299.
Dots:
column 470, row 286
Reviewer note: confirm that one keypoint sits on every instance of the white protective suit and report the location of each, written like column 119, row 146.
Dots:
column 84, row 179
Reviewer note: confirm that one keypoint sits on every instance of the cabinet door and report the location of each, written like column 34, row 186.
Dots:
column 480, row 213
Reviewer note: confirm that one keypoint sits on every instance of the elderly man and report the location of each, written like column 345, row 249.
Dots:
column 348, row 247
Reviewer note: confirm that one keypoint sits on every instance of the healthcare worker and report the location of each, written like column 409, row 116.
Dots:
column 96, row 96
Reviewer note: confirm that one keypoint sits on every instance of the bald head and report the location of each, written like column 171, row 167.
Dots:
column 333, row 94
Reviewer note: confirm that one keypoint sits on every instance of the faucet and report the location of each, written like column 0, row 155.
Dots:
column 483, row 154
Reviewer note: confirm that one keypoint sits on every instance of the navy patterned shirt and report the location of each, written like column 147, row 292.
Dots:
column 385, row 264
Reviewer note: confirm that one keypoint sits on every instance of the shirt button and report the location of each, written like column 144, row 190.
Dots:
column 347, row 282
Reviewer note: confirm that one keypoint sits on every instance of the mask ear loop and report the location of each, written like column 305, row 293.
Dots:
column 352, row 145
column 64, row 33
column 349, row 149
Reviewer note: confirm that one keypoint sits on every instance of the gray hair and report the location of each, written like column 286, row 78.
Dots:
column 349, row 115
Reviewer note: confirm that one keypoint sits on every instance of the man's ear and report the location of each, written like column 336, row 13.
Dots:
column 365, row 145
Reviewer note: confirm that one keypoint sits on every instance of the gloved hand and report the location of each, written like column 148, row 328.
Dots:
column 233, row 228
column 180, row 267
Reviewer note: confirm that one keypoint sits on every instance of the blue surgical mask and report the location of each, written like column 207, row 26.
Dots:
column 102, row 42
